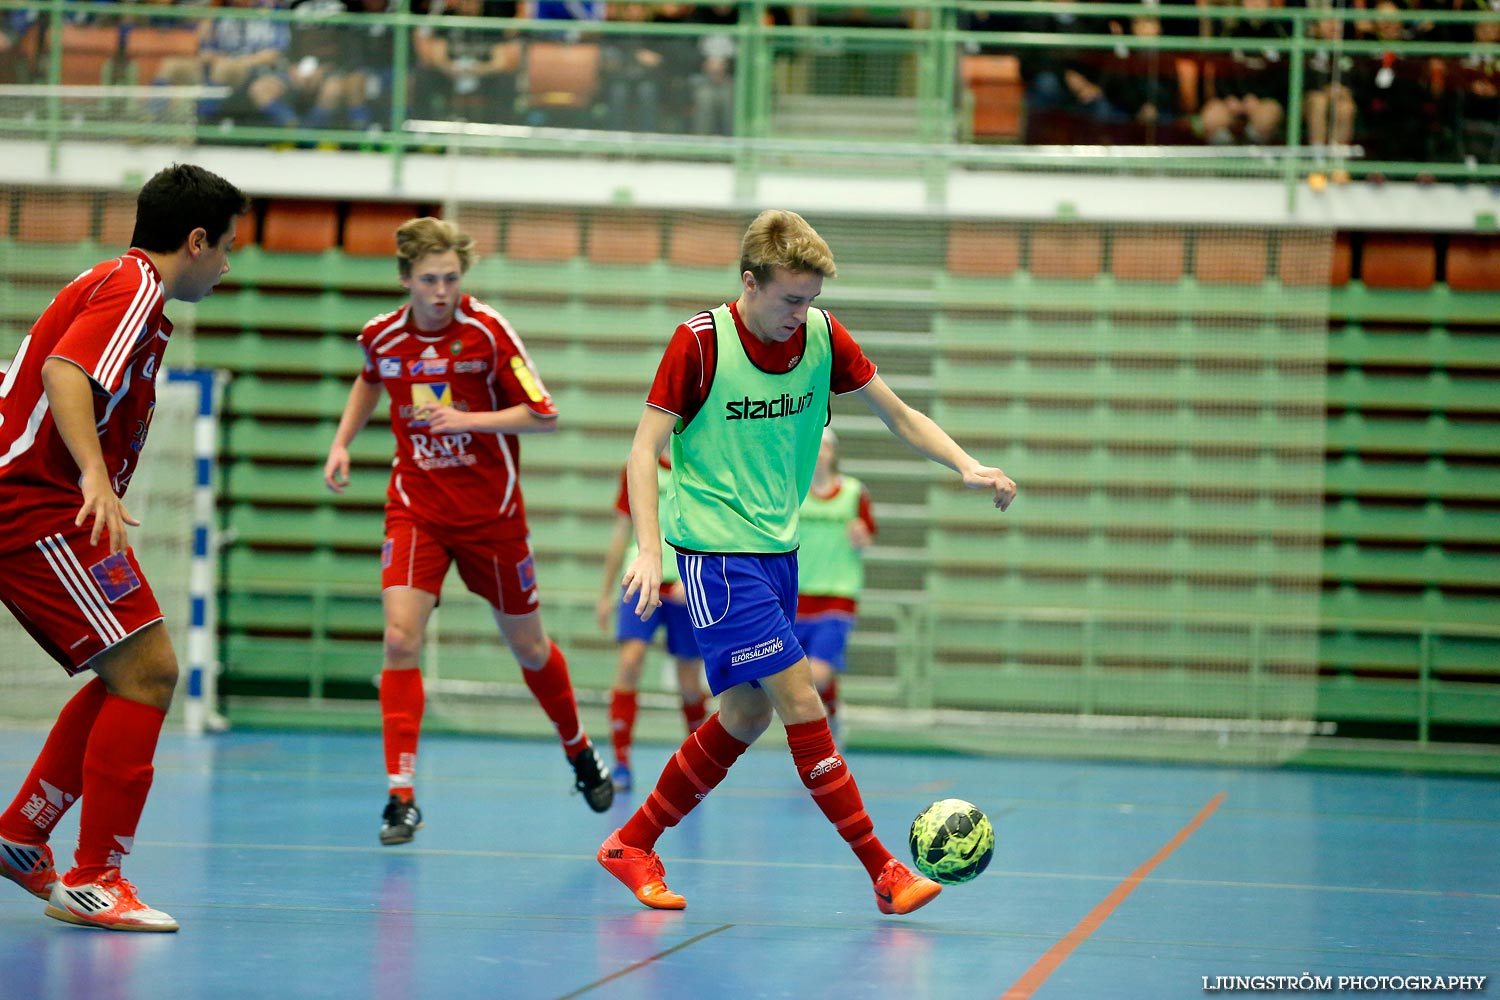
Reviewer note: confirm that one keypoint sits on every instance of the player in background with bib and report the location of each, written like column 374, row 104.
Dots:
column 634, row 635
column 462, row 388
column 836, row 525
column 742, row 395
column 75, row 410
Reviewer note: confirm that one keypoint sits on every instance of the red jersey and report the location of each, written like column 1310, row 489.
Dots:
column 476, row 363
column 687, row 368
column 108, row 321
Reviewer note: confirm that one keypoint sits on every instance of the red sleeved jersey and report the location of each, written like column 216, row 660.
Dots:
column 108, row 321
column 477, row 363
column 687, row 368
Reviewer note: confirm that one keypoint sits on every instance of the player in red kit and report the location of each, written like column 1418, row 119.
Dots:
column 75, row 410
column 461, row 389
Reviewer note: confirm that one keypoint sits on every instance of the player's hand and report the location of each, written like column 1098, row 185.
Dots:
column 859, row 533
column 983, row 477
column 336, row 469
column 604, row 611
column 643, row 578
column 442, row 419
column 107, row 512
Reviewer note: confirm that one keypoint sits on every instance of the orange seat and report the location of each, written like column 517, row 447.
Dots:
column 295, row 226
column 1474, row 263
column 542, row 235
column 146, row 47
column 625, row 238
column 55, row 217
column 1148, row 253
column 1231, row 256
column 88, row 49
column 705, row 241
column 370, row 227
column 1302, row 261
column 117, row 221
column 1066, row 251
column 983, row 249
column 246, row 229
column 481, row 223
column 995, row 83
column 1398, row 260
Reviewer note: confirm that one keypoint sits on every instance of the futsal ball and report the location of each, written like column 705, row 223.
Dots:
column 952, row 841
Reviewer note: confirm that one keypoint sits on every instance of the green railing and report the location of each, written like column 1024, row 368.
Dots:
column 902, row 105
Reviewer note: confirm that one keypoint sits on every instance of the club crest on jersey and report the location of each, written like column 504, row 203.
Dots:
column 526, row 573
column 115, row 576
column 390, row 367
column 427, row 366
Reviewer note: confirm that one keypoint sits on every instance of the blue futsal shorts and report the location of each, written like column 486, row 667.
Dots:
column 825, row 636
column 742, row 609
column 670, row 616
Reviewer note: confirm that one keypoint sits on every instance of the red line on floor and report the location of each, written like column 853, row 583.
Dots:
column 1023, row 988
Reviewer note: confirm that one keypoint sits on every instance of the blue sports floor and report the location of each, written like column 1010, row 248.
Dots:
column 1109, row 880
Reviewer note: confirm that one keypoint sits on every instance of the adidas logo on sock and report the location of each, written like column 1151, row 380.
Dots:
column 825, row 765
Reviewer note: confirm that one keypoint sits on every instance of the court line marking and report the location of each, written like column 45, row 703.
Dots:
column 1034, row 977
column 643, row 962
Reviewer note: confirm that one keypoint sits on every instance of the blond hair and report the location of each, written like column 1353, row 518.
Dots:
column 417, row 238
column 778, row 238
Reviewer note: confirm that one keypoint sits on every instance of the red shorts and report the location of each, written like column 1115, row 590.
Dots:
column 498, row 568
column 74, row 598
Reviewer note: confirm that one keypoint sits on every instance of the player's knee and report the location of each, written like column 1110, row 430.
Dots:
column 745, row 723
column 402, row 644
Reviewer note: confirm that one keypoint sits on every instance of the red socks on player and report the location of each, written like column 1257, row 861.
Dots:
column 56, row 779
column 823, row 771
column 117, row 775
column 402, row 702
column 553, row 689
column 622, row 711
column 694, row 770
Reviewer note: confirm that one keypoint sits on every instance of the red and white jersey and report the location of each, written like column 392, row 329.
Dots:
column 476, row 363
column 108, row 321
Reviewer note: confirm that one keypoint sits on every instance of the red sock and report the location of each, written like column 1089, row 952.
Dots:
column 553, row 689
column 694, row 770
column 56, row 779
column 622, row 709
column 117, row 775
column 830, row 695
column 402, row 702
column 824, row 772
column 694, row 712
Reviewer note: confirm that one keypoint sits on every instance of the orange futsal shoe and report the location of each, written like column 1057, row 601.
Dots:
column 110, row 903
column 28, row 866
column 901, row 890
column 642, row 873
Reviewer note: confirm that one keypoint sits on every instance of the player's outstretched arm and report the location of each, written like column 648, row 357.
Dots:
column 70, row 400
column 922, row 434
column 643, row 575
column 363, row 396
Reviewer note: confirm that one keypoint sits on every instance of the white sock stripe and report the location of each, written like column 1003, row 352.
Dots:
column 80, row 585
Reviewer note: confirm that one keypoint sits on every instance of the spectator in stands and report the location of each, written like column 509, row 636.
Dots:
column 713, row 81
column 327, row 90
column 369, row 54
column 1144, row 86
column 467, row 73
column 1247, row 91
column 18, row 56
column 639, row 71
column 1396, row 95
column 246, row 55
column 1474, row 84
column 1329, row 104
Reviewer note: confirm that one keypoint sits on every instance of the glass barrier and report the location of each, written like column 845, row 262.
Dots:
column 1370, row 91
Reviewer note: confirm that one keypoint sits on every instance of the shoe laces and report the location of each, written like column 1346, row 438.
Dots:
column 121, row 886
